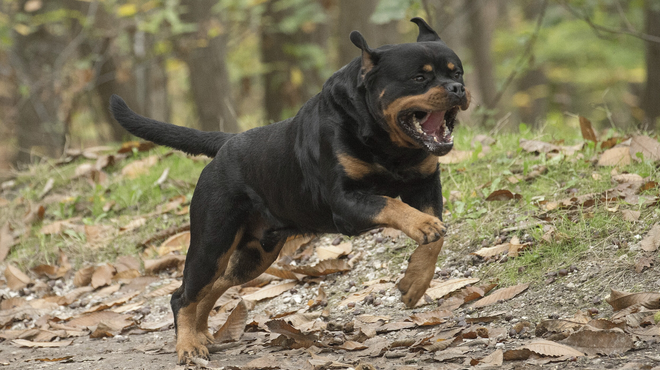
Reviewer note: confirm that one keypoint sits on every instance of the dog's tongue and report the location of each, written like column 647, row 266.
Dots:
column 432, row 124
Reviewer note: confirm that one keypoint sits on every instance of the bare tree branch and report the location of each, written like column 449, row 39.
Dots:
column 525, row 57
column 600, row 28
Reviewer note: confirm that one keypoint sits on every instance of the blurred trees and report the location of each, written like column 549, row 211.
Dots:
column 235, row 64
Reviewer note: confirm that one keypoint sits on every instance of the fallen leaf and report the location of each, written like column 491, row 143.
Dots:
column 13, row 302
column 139, row 167
column 233, row 328
column 350, row 345
column 113, row 303
column 492, row 251
column 48, row 271
column 501, row 295
column 6, row 241
column 36, row 213
column 126, row 263
column 587, row 130
column 156, row 265
column 627, row 177
column 320, row 299
column 301, row 340
column 175, row 242
column 71, row 296
column 325, row 267
column 134, row 224
column 102, row 331
column 16, row 279
column 83, row 277
column 651, row 241
column 502, row 195
column 630, row 215
column 102, row 276
column 115, row 321
column 292, row 245
column 494, row 359
column 617, row 156
column 164, row 290
column 141, row 146
column 604, row 342
column 31, row 344
column 269, row 291
column 648, row 147
column 532, row 146
column 621, row 300
column 428, row 318
column 643, row 263
column 551, row 349
column 334, row 251
column 440, row 290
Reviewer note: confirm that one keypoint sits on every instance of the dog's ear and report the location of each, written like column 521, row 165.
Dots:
column 369, row 56
column 426, row 33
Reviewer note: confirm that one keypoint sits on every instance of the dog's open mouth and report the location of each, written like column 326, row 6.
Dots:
column 432, row 129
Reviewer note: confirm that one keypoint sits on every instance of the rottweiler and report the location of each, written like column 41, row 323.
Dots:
column 359, row 155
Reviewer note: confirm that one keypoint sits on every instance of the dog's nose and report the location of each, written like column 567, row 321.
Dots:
column 456, row 88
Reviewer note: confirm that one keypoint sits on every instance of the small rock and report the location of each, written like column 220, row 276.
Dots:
column 596, row 300
column 378, row 239
column 350, row 304
column 508, row 317
column 562, row 272
column 570, row 286
column 337, row 240
column 593, row 311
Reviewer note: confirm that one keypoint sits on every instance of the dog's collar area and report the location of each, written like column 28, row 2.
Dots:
column 432, row 129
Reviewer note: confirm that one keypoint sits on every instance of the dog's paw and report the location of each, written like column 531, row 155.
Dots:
column 205, row 337
column 186, row 350
column 414, row 285
column 426, row 229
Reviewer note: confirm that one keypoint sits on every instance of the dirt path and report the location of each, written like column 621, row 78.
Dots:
column 394, row 342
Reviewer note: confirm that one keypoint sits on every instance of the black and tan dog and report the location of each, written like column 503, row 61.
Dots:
column 371, row 135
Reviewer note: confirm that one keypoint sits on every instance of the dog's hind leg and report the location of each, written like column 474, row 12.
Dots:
column 249, row 259
column 218, row 221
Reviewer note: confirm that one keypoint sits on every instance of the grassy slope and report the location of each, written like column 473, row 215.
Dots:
column 585, row 234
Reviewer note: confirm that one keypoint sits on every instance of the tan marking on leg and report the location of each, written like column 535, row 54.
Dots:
column 428, row 166
column 421, row 227
column 419, row 272
column 187, row 342
column 192, row 320
column 451, row 66
column 356, row 168
column 427, row 68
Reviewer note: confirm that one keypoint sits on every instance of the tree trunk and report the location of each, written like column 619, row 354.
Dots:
column 289, row 80
column 481, row 17
column 40, row 128
column 204, row 55
column 354, row 15
column 651, row 97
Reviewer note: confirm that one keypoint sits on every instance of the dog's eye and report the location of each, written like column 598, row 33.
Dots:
column 419, row 78
column 458, row 74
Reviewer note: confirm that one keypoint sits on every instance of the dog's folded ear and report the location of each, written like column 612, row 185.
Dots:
column 426, row 33
column 369, row 56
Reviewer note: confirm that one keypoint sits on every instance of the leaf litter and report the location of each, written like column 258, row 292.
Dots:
column 99, row 291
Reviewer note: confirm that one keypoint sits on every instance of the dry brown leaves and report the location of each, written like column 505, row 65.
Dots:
column 651, row 241
column 501, row 295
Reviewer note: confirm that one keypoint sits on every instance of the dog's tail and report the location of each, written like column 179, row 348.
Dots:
column 186, row 139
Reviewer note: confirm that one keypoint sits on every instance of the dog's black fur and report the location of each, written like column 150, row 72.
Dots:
column 337, row 166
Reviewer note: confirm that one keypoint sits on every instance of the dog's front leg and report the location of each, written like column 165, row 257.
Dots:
column 427, row 197
column 357, row 212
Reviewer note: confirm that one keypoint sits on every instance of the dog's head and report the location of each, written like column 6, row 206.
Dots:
column 415, row 90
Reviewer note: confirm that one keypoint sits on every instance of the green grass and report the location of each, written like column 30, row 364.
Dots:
column 82, row 198
column 581, row 234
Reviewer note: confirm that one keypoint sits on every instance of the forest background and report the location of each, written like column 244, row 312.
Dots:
column 232, row 65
